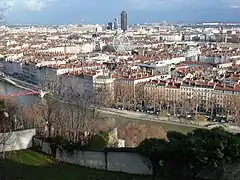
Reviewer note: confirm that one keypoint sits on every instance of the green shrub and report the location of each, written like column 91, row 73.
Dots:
column 105, row 135
column 98, row 141
column 194, row 153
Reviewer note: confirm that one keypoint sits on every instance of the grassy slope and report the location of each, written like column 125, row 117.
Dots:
column 30, row 165
column 166, row 126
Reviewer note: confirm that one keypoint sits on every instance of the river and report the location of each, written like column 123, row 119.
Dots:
column 28, row 100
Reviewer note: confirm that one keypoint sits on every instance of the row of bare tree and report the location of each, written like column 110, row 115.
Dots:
column 12, row 116
column 174, row 101
column 70, row 117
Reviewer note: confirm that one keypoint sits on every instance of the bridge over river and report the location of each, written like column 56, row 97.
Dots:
column 18, row 88
column 24, row 97
column 27, row 97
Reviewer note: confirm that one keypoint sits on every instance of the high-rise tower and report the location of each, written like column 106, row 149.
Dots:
column 115, row 24
column 124, row 21
column 110, row 26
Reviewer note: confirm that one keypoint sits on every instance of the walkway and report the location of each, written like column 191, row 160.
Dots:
column 153, row 118
column 146, row 117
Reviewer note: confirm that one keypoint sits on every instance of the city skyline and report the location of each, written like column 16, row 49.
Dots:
column 74, row 12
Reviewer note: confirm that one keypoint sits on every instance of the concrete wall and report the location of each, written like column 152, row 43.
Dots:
column 92, row 159
column 17, row 140
column 120, row 161
column 128, row 162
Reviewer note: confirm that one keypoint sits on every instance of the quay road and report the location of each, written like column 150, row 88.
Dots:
column 169, row 123
column 118, row 115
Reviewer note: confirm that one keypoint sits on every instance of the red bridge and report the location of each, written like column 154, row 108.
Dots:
column 41, row 93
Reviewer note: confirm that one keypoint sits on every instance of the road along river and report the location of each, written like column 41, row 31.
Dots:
column 121, row 117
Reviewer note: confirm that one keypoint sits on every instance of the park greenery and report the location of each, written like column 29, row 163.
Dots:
column 199, row 153
column 98, row 141
column 202, row 152
column 31, row 165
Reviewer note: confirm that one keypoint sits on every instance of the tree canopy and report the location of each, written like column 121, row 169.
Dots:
column 193, row 153
column 98, row 141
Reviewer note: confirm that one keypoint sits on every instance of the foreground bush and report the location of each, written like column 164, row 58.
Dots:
column 194, row 153
column 98, row 141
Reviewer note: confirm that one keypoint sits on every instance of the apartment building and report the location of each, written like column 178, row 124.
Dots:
column 148, row 93
column 201, row 90
column 104, row 89
column 157, row 93
column 124, row 93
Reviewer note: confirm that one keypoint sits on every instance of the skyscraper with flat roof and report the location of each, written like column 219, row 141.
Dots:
column 110, row 26
column 124, row 21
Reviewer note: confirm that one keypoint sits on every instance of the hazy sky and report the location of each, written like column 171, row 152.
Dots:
column 102, row 11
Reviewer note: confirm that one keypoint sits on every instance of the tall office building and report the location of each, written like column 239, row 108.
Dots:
column 115, row 25
column 124, row 21
column 110, row 26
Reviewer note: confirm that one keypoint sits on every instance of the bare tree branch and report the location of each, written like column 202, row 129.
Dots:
column 11, row 119
column 68, row 113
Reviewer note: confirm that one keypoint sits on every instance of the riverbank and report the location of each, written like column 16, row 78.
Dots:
column 165, row 122
column 123, row 117
column 168, row 123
